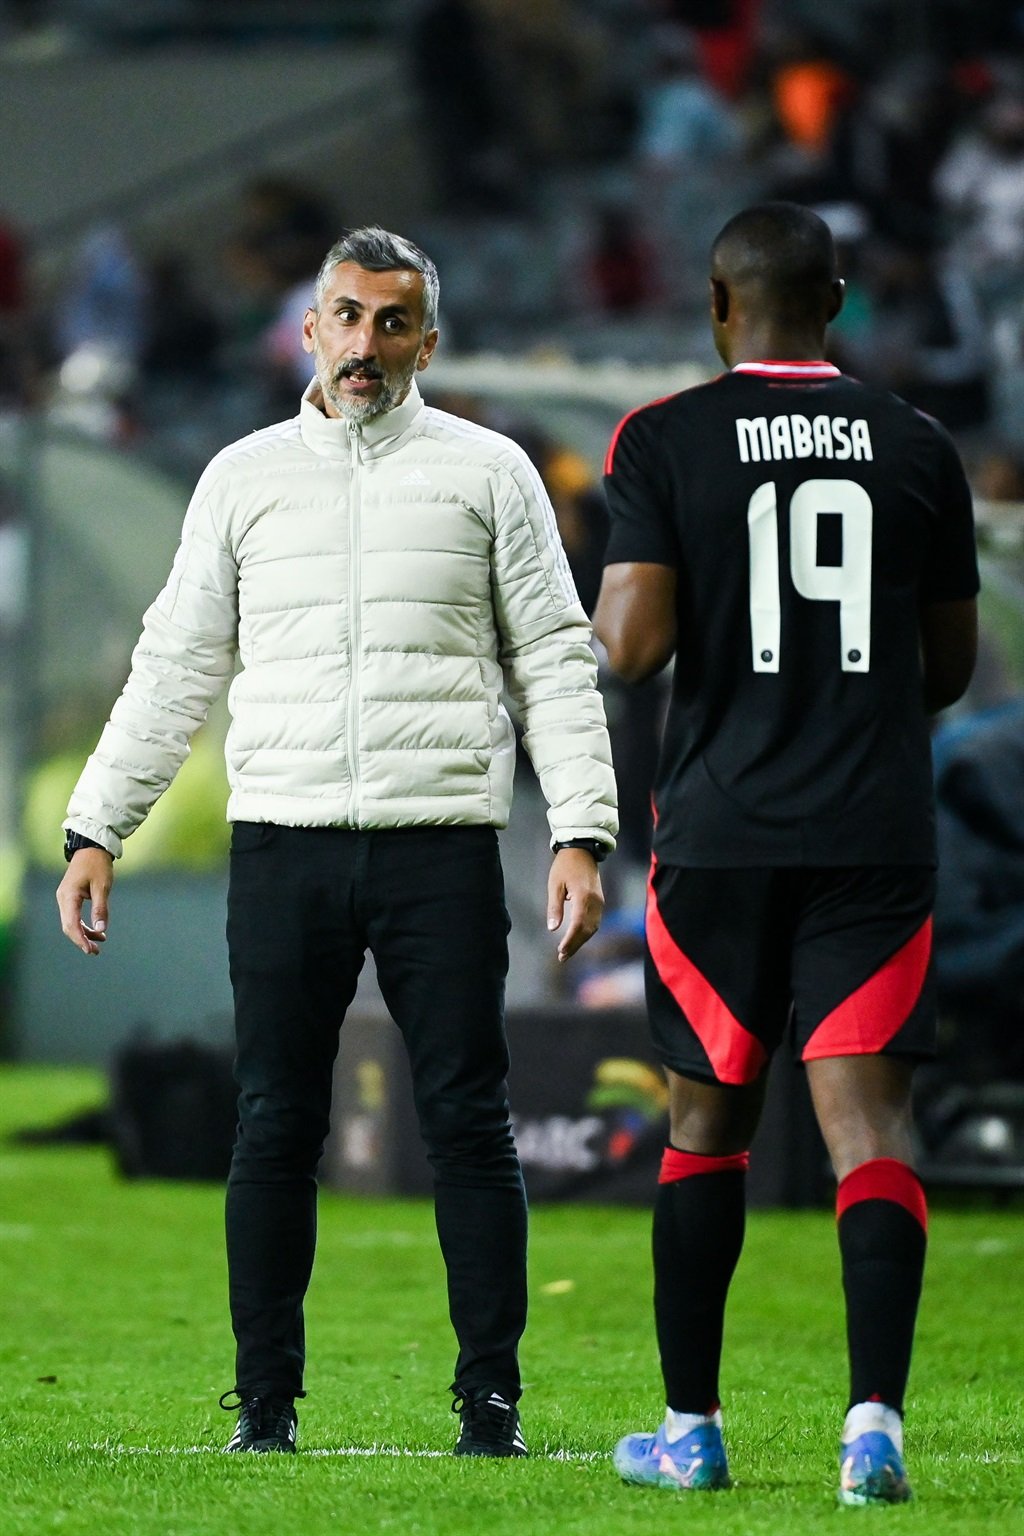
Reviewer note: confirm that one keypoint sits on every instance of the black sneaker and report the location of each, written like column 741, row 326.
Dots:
column 264, row 1424
column 490, row 1426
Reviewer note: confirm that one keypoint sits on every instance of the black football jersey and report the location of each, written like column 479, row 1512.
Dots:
column 808, row 518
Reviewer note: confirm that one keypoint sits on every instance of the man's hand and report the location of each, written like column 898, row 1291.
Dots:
column 575, row 879
column 89, row 878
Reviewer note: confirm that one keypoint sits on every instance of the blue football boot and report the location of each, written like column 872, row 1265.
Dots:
column 696, row 1460
column 871, row 1471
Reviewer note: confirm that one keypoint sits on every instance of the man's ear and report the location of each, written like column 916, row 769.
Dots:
column 719, row 300
column 836, row 300
column 308, row 326
column 426, row 350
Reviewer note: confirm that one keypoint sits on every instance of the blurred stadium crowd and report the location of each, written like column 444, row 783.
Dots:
column 578, row 156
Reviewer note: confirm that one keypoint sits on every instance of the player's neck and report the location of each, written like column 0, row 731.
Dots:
column 768, row 344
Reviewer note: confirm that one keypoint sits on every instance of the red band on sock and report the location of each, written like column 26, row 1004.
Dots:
column 884, row 1178
column 676, row 1165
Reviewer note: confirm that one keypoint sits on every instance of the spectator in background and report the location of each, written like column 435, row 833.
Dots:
column 875, row 145
column 453, row 75
column 998, row 478
column 281, row 234
column 620, row 265
column 687, row 146
column 101, row 329
column 683, row 119
column 850, row 228
column 726, row 33
column 184, row 334
column 275, row 246
column 980, row 184
column 923, row 334
column 809, row 89
column 580, row 515
column 979, row 910
column 15, row 367
column 103, row 309
column 887, row 144
column 272, row 258
column 550, row 59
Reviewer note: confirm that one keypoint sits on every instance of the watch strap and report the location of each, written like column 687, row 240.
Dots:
column 73, row 841
column 592, row 845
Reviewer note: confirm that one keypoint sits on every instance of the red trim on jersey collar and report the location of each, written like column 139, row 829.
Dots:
column 609, row 456
column 763, row 370
column 780, row 370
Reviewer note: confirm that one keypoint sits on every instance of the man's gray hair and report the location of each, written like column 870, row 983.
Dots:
column 377, row 250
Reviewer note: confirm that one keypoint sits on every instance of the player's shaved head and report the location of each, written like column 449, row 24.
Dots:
column 780, row 251
column 774, row 282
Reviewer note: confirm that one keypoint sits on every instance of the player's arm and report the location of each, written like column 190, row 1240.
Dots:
column 551, row 678
column 949, row 649
column 635, row 618
column 948, row 609
column 185, row 654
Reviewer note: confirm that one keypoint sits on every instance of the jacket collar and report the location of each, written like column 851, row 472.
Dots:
column 332, row 436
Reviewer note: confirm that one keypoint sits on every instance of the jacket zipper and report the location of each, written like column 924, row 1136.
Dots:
column 354, row 601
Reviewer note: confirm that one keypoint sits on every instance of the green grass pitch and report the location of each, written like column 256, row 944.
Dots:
column 115, row 1347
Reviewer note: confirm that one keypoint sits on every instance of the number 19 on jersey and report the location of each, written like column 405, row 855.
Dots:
column 847, row 583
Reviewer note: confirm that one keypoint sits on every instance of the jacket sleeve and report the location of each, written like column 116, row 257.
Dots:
column 549, row 667
column 184, row 656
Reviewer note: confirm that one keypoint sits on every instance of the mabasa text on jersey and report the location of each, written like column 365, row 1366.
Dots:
column 801, row 437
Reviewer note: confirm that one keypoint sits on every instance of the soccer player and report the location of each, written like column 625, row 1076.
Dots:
column 803, row 546
column 381, row 570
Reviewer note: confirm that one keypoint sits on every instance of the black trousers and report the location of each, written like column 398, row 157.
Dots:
column 304, row 906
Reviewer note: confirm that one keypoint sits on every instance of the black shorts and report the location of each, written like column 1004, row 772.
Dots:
column 734, row 954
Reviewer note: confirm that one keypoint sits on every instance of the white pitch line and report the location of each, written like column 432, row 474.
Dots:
column 340, row 1450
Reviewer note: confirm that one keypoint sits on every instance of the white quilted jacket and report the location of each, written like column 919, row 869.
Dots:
column 379, row 584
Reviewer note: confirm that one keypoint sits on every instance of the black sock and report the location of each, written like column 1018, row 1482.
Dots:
column 699, row 1219
column 882, row 1220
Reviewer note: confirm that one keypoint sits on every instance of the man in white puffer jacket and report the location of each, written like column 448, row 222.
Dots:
column 381, row 570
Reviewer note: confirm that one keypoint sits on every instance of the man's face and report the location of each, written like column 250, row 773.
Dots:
column 367, row 340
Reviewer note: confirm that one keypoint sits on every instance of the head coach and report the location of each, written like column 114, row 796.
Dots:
column 381, row 571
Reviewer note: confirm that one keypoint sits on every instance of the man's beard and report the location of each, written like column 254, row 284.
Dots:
column 393, row 389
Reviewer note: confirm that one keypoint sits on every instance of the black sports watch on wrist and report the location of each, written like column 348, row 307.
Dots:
column 75, row 840
column 591, row 845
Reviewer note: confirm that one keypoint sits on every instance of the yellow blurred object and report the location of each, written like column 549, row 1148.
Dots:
column 630, row 1073
column 567, row 473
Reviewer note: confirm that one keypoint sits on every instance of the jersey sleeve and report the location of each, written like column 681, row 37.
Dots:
column 950, row 572
column 641, row 526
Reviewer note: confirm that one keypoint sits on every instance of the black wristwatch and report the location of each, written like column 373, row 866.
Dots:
column 591, row 845
column 74, row 840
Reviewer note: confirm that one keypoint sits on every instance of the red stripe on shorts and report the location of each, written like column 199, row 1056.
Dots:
column 884, row 1178
column 864, row 1024
column 736, row 1056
